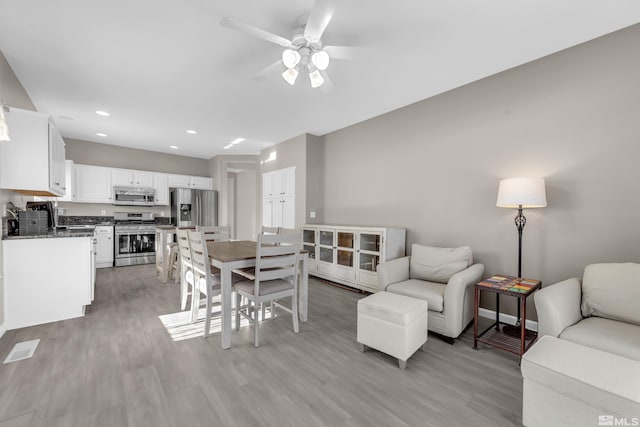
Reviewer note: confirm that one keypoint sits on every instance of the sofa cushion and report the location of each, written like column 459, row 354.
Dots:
column 438, row 264
column 612, row 291
column 612, row 336
column 431, row 292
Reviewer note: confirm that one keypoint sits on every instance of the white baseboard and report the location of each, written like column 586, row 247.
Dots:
column 506, row 318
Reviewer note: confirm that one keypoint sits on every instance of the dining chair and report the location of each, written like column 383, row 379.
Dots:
column 217, row 233
column 186, row 267
column 270, row 230
column 205, row 281
column 276, row 277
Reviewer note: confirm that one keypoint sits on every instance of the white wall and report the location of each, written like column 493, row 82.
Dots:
column 434, row 167
column 246, row 205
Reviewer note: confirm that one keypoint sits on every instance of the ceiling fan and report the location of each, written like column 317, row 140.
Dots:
column 305, row 50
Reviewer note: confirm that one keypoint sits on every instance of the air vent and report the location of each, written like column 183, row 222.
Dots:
column 22, row 350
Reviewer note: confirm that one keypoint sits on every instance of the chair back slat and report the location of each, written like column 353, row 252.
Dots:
column 277, row 257
column 199, row 254
column 183, row 243
column 215, row 234
column 270, row 230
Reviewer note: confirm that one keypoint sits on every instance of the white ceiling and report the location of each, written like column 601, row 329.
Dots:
column 161, row 67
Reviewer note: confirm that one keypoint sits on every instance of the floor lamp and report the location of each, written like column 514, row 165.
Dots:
column 521, row 193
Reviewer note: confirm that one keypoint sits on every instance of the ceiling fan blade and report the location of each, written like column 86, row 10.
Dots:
column 319, row 18
column 347, row 52
column 328, row 84
column 271, row 69
column 255, row 32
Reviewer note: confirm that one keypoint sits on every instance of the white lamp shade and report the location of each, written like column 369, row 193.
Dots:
column 290, row 75
column 316, row 79
column 320, row 59
column 290, row 58
column 522, row 192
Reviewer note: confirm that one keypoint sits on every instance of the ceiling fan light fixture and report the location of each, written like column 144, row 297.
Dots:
column 316, row 79
column 290, row 58
column 290, row 75
column 320, row 59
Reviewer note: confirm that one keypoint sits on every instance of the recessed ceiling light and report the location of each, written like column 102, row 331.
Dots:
column 191, row 132
column 175, row 147
column 104, row 135
column 228, row 146
column 102, row 113
column 237, row 141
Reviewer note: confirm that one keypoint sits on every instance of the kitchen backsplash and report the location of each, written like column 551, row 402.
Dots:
column 94, row 220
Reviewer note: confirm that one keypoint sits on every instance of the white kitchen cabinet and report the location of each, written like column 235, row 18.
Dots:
column 33, row 161
column 186, row 181
column 350, row 255
column 104, row 246
column 278, row 191
column 279, row 212
column 58, row 288
column 161, row 185
column 125, row 177
column 93, row 184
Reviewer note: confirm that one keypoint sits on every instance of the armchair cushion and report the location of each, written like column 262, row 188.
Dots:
column 612, row 291
column 607, row 335
column 432, row 292
column 438, row 264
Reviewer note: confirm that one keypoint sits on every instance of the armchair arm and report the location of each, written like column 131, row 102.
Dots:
column 396, row 270
column 558, row 306
column 458, row 299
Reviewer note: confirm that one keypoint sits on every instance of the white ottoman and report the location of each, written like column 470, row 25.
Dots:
column 393, row 324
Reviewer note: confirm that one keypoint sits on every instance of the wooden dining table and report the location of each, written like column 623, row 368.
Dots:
column 230, row 255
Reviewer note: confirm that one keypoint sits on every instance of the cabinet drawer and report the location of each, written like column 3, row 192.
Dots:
column 367, row 278
column 345, row 273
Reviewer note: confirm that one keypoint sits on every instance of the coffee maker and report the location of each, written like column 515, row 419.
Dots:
column 52, row 213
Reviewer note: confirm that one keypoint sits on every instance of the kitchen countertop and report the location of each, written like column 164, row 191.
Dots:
column 88, row 232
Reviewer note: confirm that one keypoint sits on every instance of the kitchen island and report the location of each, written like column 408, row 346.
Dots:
column 47, row 277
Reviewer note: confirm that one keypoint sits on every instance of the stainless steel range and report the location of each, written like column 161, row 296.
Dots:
column 135, row 238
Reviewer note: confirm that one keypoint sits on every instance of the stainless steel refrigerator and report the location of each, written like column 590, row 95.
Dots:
column 194, row 207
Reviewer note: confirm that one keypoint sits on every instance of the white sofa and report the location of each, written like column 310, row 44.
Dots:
column 585, row 368
column 444, row 277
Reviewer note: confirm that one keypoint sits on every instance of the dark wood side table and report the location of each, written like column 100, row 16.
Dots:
column 493, row 335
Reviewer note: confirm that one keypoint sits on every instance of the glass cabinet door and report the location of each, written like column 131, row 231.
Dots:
column 345, row 240
column 309, row 236
column 326, row 238
column 370, row 242
column 326, row 254
column 369, row 262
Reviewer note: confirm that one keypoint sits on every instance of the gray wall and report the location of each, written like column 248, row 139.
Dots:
column 246, row 204
column 434, row 167
column 91, row 153
column 14, row 95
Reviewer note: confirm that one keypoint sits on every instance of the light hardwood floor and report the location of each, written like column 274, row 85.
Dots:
column 129, row 362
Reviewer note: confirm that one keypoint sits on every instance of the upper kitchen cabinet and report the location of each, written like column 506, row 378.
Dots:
column 161, row 185
column 195, row 182
column 33, row 162
column 125, row 177
column 93, row 184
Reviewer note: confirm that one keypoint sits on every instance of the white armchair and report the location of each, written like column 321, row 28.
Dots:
column 445, row 277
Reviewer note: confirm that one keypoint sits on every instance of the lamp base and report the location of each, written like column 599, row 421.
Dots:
column 514, row 331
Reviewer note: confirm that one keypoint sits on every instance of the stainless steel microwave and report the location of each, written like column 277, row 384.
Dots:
column 134, row 196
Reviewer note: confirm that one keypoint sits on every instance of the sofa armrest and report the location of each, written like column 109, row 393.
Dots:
column 558, row 306
column 458, row 299
column 396, row 270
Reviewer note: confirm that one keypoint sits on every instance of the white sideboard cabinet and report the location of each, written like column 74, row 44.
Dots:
column 349, row 254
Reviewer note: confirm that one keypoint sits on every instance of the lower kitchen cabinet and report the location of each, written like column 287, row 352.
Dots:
column 47, row 279
column 350, row 255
